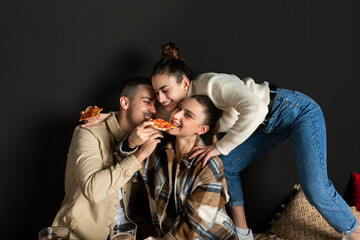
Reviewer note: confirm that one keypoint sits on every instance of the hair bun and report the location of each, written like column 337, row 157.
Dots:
column 170, row 50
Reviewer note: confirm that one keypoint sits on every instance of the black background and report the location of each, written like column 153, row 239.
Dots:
column 57, row 57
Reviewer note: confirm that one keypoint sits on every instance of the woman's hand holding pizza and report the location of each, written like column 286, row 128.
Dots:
column 101, row 118
column 92, row 116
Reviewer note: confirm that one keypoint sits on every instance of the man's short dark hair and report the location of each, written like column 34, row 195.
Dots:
column 131, row 86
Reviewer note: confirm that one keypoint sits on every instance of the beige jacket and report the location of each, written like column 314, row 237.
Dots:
column 92, row 181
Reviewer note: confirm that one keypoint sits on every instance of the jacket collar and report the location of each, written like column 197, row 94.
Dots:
column 114, row 127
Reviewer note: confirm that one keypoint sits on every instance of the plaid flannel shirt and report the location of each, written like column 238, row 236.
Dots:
column 186, row 200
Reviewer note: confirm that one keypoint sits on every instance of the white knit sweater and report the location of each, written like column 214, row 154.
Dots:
column 244, row 104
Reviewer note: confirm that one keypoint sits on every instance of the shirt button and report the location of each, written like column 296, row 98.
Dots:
column 116, row 205
column 124, row 192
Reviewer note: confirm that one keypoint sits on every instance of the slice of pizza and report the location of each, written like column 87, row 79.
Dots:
column 162, row 125
column 90, row 112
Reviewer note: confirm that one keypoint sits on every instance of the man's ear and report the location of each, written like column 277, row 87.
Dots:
column 202, row 129
column 186, row 82
column 124, row 103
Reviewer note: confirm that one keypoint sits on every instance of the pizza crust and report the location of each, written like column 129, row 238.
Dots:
column 158, row 128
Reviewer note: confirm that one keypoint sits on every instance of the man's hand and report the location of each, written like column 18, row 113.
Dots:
column 148, row 147
column 204, row 152
column 93, row 121
column 143, row 133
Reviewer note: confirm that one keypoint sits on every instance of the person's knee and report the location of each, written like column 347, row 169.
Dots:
column 231, row 176
column 319, row 195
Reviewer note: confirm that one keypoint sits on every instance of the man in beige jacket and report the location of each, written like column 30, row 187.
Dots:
column 98, row 190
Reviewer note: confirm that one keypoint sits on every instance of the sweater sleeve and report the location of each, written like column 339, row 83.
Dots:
column 229, row 93
column 97, row 183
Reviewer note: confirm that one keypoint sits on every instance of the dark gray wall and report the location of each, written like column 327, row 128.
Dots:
column 57, row 57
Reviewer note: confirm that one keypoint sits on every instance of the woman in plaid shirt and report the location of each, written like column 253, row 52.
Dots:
column 186, row 200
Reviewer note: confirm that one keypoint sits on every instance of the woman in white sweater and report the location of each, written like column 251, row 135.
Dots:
column 256, row 118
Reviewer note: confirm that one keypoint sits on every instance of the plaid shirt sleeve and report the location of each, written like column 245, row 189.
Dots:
column 207, row 198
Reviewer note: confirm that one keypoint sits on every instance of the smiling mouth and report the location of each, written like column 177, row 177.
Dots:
column 176, row 124
column 148, row 116
column 165, row 104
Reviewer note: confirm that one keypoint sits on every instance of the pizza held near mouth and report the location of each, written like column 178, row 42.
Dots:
column 90, row 112
column 162, row 125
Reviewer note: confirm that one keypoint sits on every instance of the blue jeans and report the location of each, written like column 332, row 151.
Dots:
column 297, row 116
